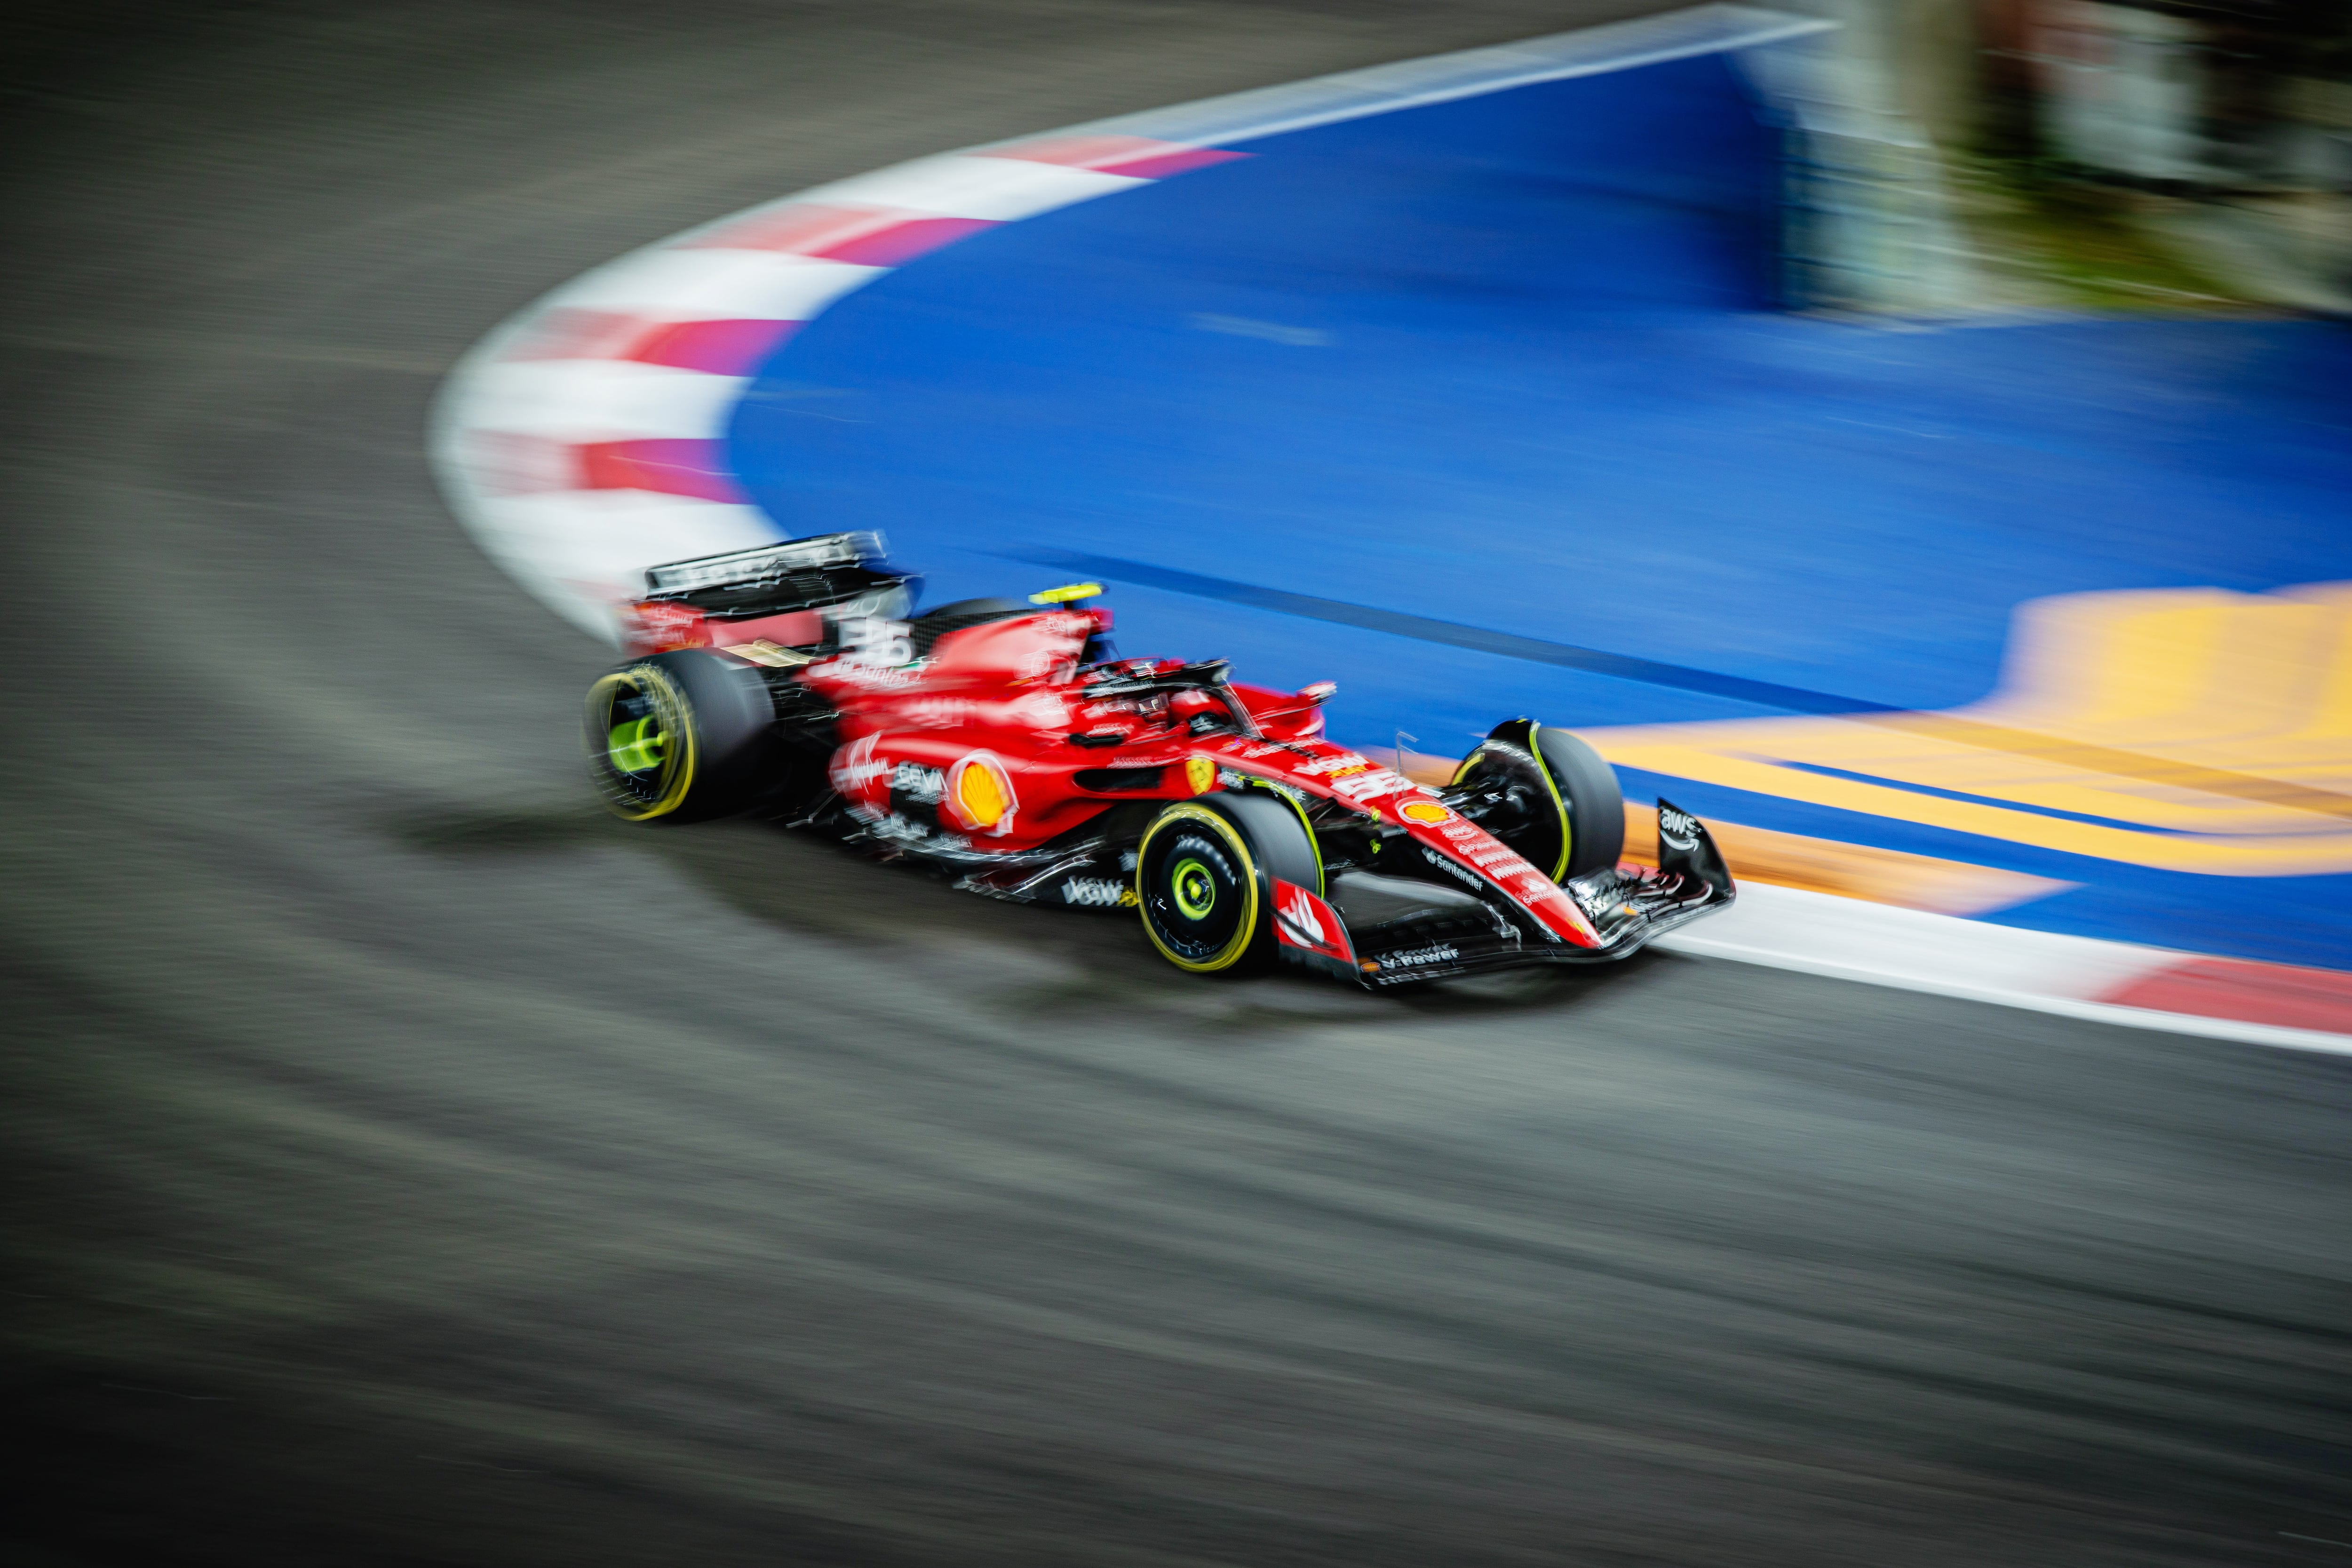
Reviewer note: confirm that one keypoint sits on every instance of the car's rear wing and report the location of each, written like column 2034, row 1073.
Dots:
column 824, row 571
column 764, row 563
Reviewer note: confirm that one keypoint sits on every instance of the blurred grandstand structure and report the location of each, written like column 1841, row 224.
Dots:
column 2168, row 156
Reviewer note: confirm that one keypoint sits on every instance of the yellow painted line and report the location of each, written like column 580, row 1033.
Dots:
column 2210, row 731
column 1850, row 870
column 2177, row 771
column 1815, row 865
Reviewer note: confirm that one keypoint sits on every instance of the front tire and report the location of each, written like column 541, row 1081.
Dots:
column 1547, row 794
column 678, row 737
column 1204, row 876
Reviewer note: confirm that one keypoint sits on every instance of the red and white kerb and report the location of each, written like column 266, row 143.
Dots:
column 592, row 428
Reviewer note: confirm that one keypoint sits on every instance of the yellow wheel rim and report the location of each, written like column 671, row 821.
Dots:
column 1196, row 890
column 644, row 758
column 1211, row 823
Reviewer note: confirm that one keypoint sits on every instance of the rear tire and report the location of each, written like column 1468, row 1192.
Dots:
column 1204, row 876
column 1547, row 794
column 678, row 737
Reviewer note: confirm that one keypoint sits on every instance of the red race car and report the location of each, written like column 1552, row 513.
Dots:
column 1004, row 745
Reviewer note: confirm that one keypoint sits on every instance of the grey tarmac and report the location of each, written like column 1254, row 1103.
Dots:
column 405, row 1164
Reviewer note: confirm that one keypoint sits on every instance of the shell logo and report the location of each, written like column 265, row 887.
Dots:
column 1427, row 811
column 980, row 795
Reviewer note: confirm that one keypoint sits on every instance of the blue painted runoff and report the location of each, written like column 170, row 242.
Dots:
column 1511, row 363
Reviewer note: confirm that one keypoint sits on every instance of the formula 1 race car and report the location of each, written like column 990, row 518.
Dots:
column 1004, row 745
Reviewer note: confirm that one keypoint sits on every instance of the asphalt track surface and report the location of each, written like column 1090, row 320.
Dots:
column 405, row 1166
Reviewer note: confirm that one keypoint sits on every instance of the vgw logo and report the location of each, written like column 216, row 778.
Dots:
column 1096, row 893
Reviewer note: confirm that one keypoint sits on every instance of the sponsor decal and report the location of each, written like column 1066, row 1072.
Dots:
column 854, row 769
column 1678, row 827
column 871, row 676
column 940, row 712
column 1550, row 898
column 980, row 795
column 918, row 783
column 891, row 827
column 873, row 643
column 1039, row 710
column 1348, row 763
column 657, row 627
column 1446, row 864
column 1370, row 784
column 1441, row 953
column 1098, row 892
column 1425, row 811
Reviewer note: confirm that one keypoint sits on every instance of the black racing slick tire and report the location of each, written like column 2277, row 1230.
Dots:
column 1547, row 794
column 678, row 737
column 1204, row 876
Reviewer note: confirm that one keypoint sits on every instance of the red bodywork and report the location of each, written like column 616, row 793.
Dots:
column 1010, row 700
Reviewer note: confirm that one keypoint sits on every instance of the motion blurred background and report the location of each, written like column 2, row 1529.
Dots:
column 404, row 1165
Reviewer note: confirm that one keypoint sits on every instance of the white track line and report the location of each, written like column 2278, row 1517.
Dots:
column 1911, row 950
